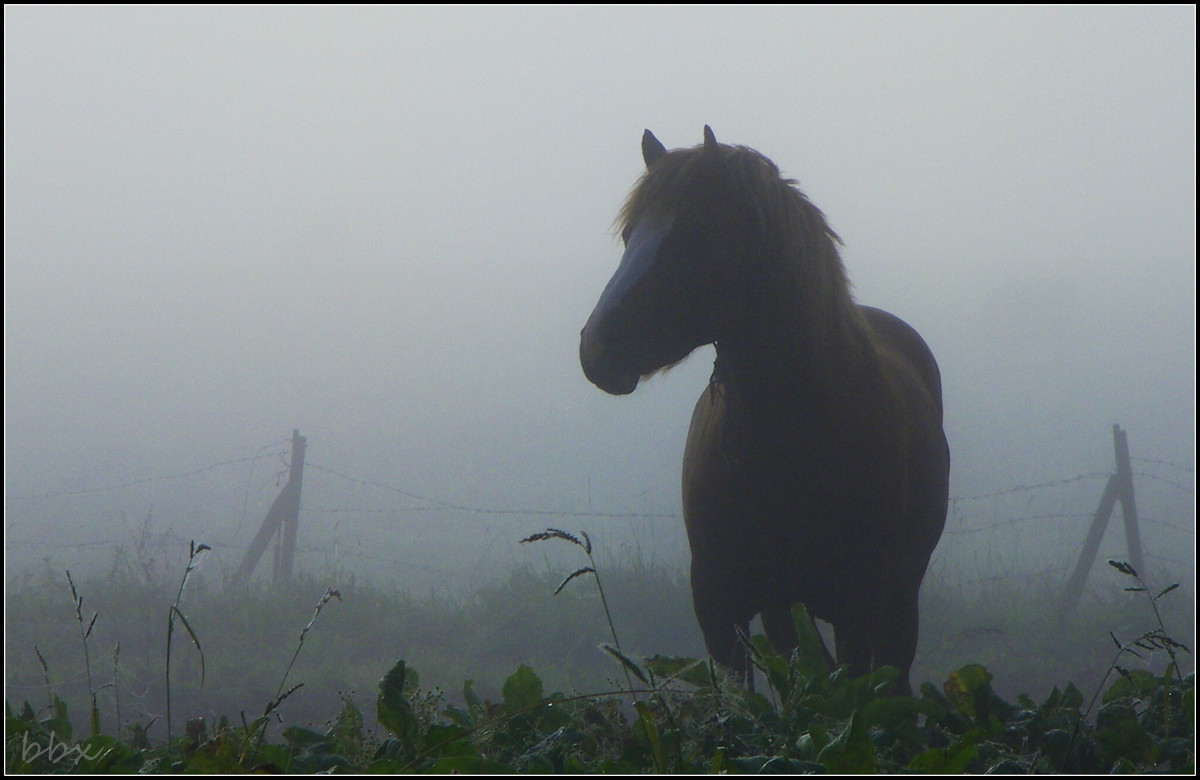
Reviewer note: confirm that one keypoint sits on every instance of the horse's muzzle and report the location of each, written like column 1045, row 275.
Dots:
column 598, row 365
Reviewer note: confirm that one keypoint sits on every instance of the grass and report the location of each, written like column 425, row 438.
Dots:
column 465, row 647
column 250, row 634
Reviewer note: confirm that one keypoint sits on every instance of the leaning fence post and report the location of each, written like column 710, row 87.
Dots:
column 1133, row 540
column 1087, row 556
column 285, row 513
column 290, row 525
column 1118, row 488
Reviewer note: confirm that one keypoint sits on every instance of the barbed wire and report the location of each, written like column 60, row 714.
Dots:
column 1172, row 561
column 1038, row 486
column 1184, row 469
column 250, row 482
column 440, row 505
column 1015, row 521
column 142, row 481
column 430, row 504
column 344, row 553
column 1164, row 480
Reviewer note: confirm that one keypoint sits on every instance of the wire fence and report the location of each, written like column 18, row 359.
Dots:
column 369, row 527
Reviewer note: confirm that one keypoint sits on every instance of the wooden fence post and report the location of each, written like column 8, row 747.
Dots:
column 1133, row 540
column 284, row 514
column 290, row 523
column 1118, row 488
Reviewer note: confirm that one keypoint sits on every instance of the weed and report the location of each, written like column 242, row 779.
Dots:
column 586, row 545
column 686, row 716
column 194, row 552
column 84, row 633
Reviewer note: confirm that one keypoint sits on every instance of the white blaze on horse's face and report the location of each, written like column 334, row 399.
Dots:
column 673, row 291
column 608, row 350
column 641, row 252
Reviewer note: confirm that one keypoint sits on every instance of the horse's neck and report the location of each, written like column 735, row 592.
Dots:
column 777, row 363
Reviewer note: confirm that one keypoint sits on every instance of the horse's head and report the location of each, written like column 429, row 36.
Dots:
column 689, row 227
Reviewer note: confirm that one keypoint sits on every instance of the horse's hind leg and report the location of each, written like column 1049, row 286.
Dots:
column 854, row 644
column 896, row 644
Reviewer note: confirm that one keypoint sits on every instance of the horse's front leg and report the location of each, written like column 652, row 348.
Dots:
column 896, row 642
column 720, row 623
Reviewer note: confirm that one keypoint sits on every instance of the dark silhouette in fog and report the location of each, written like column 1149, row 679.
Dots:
column 816, row 469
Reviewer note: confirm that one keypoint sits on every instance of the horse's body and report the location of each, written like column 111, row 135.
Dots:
column 816, row 469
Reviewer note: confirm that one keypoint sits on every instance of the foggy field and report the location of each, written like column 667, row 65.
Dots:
column 249, row 636
column 479, row 608
column 383, row 227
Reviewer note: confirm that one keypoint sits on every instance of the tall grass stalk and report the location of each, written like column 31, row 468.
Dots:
column 46, row 677
column 116, row 688
column 194, row 552
column 280, row 694
column 84, row 633
column 627, row 666
column 586, row 544
column 1160, row 638
column 1155, row 639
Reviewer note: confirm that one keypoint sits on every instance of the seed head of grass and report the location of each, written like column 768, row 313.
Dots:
column 554, row 533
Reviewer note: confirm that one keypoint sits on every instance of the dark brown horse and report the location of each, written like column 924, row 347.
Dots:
column 816, row 469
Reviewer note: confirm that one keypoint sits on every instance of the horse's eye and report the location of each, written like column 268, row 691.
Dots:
column 625, row 234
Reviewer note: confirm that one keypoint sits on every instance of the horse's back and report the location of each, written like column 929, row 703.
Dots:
column 904, row 340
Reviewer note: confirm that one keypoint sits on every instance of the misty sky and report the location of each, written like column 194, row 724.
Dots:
column 385, row 226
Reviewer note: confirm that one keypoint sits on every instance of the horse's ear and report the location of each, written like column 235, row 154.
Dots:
column 710, row 140
column 652, row 148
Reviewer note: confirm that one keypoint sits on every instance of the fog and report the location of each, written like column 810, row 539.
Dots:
column 385, row 227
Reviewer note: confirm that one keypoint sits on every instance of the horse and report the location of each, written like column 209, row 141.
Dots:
column 816, row 468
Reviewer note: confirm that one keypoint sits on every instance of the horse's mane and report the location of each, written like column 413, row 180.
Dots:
column 802, row 268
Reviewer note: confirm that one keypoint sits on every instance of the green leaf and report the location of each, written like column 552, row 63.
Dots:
column 302, row 738
column 893, row 713
column 688, row 670
column 469, row 695
column 1135, row 683
column 777, row 668
column 810, row 649
column 810, row 745
column 195, row 639
column 393, row 708
column 851, row 751
column 347, row 728
column 967, row 689
column 627, row 663
column 466, row 765
column 108, row 755
column 645, row 727
column 1072, row 698
column 952, row 760
column 59, row 723
column 522, row 690
column 444, row 740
